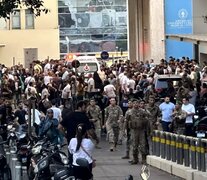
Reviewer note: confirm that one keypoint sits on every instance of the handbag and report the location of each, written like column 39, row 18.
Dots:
column 93, row 160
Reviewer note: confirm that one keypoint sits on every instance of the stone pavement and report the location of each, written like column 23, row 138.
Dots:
column 110, row 166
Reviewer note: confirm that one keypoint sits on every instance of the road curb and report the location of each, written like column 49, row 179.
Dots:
column 175, row 169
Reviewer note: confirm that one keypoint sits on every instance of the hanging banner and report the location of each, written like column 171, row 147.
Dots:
column 178, row 20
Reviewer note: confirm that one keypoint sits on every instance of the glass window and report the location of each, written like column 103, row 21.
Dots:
column 93, row 25
column 16, row 23
column 29, row 19
column 3, row 23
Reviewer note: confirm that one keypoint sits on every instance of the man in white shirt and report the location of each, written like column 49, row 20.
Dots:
column 30, row 91
column 109, row 90
column 132, row 84
column 190, row 111
column 47, row 79
column 66, row 93
column 47, row 66
column 124, row 81
column 56, row 111
column 29, row 79
column 65, row 74
column 91, row 86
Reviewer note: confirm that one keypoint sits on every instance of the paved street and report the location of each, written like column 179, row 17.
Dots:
column 110, row 166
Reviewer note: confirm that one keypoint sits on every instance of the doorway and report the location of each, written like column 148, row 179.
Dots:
column 30, row 54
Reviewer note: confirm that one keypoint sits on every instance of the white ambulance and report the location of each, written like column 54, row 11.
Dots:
column 88, row 64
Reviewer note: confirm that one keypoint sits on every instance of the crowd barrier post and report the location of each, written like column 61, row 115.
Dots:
column 168, row 149
column 173, row 147
column 198, row 151
column 177, row 150
column 18, row 173
column 162, row 144
column 193, row 153
column 203, row 158
column 157, row 140
column 181, row 149
column 153, row 144
column 186, row 151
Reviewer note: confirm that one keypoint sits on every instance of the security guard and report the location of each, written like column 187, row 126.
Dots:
column 127, row 130
column 113, row 116
column 95, row 117
column 138, row 121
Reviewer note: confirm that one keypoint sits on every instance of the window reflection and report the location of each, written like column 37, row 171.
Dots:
column 93, row 25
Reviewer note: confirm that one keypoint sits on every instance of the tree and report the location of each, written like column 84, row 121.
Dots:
column 8, row 6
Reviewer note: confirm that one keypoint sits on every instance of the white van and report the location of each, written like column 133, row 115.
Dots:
column 88, row 64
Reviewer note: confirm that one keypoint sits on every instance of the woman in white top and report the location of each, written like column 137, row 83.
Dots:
column 81, row 147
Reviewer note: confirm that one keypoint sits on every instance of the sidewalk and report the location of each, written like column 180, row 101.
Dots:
column 110, row 166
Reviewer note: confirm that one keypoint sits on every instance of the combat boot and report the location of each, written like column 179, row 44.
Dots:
column 114, row 147
column 126, row 156
column 144, row 159
column 135, row 159
column 134, row 162
column 111, row 146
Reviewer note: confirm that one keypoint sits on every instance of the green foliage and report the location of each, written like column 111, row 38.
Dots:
column 8, row 6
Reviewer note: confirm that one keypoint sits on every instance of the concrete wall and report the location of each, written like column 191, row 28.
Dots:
column 157, row 30
column 46, row 41
column 199, row 26
column 45, row 37
column 146, row 30
column 199, row 10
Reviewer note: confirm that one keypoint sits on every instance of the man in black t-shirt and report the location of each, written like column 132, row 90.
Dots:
column 2, row 114
column 71, row 121
column 20, row 114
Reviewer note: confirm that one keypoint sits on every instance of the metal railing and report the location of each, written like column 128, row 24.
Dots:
column 183, row 150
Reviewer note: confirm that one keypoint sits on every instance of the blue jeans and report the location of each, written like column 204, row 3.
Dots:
column 165, row 126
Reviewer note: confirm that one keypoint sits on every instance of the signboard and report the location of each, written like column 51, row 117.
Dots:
column 104, row 55
column 75, row 63
column 178, row 20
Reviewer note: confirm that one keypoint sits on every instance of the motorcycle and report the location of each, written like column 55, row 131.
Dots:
column 48, row 161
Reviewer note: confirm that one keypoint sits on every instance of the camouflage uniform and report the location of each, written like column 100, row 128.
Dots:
column 113, row 115
column 138, row 120
column 154, row 113
column 178, row 123
column 96, row 118
column 128, row 134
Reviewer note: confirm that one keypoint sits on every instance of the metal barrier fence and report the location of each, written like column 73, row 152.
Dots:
column 184, row 150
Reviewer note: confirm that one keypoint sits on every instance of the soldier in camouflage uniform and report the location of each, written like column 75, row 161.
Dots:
column 113, row 116
column 178, row 123
column 95, row 117
column 127, row 130
column 138, row 121
column 154, row 112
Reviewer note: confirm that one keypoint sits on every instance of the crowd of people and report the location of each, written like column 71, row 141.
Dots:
column 121, row 101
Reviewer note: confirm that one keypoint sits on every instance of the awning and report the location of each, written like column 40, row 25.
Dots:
column 2, row 45
column 200, row 39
